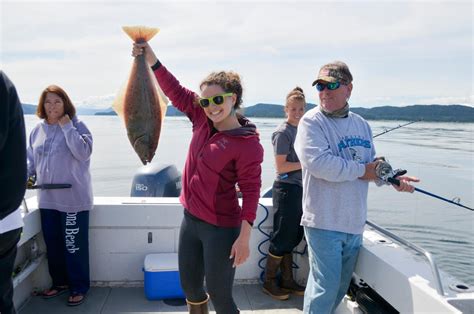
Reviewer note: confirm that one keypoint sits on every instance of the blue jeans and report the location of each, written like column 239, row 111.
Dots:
column 332, row 258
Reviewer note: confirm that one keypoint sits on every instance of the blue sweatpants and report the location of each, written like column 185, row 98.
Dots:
column 67, row 242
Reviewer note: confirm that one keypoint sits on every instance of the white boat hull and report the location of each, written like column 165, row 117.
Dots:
column 123, row 230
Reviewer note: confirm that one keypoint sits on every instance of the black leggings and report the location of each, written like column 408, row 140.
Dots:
column 287, row 231
column 204, row 251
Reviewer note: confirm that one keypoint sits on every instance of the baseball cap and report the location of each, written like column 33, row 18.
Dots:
column 336, row 71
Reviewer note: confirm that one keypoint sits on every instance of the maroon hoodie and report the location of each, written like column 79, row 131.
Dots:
column 216, row 162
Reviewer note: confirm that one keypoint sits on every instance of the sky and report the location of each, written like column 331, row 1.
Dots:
column 399, row 52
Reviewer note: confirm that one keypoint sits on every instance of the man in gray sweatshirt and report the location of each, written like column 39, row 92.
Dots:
column 337, row 156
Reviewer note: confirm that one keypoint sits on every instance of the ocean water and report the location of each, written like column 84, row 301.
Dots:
column 440, row 154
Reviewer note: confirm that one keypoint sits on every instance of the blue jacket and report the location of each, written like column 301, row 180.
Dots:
column 62, row 155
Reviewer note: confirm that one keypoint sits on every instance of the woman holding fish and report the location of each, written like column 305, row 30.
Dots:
column 59, row 152
column 225, row 150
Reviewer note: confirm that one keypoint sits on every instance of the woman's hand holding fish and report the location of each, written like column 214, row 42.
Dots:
column 144, row 49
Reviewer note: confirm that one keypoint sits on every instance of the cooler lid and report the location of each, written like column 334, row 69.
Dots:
column 161, row 262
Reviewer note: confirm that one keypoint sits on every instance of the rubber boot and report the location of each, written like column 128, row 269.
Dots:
column 287, row 282
column 198, row 307
column 270, row 285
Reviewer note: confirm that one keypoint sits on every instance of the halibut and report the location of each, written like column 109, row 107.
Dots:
column 142, row 104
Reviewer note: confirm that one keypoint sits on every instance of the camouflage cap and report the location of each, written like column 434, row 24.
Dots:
column 336, row 71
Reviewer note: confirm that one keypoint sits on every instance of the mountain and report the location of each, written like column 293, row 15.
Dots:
column 170, row 112
column 434, row 113
column 268, row 110
column 29, row 109
column 107, row 112
column 84, row 111
column 438, row 113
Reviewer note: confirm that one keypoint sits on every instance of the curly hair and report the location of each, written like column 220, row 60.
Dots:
column 229, row 81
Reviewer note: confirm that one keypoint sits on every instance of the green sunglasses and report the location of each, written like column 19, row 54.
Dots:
column 331, row 86
column 216, row 100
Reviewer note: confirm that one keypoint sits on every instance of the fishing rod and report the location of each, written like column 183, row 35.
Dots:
column 397, row 182
column 45, row 186
column 50, row 186
column 397, row 127
column 385, row 172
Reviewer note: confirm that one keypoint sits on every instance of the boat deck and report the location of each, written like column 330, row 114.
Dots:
column 249, row 298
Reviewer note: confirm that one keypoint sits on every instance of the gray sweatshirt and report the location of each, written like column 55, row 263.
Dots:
column 62, row 155
column 333, row 153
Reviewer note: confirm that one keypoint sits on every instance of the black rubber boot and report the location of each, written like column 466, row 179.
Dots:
column 270, row 285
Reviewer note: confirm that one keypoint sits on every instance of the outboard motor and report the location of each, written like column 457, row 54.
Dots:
column 369, row 301
column 155, row 180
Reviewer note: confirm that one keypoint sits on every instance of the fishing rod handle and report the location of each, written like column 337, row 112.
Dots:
column 394, row 181
column 50, row 186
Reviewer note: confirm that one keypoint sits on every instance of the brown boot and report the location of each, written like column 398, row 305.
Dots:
column 287, row 281
column 270, row 285
column 198, row 307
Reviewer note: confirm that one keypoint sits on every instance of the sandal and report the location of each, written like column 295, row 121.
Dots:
column 71, row 302
column 54, row 291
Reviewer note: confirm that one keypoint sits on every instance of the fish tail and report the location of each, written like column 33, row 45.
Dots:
column 140, row 33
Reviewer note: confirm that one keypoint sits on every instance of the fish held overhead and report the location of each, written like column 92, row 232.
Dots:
column 142, row 104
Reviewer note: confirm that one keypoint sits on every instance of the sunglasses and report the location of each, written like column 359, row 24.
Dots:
column 331, row 86
column 216, row 100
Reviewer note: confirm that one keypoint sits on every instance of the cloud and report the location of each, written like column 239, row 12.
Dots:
column 97, row 102
column 393, row 48
column 467, row 101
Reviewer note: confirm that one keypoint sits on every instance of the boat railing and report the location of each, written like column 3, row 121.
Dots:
column 425, row 253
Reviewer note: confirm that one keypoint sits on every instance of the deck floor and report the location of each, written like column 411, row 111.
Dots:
column 249, row 299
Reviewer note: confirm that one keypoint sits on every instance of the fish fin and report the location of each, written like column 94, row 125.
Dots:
column 163, row 104
column 119, row 101
column 162, row 99
column 140, row 33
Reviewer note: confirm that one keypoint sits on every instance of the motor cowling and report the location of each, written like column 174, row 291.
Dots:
column 155, row 180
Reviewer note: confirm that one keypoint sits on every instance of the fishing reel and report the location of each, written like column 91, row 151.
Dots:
column 385, row 172
column 31, row 182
